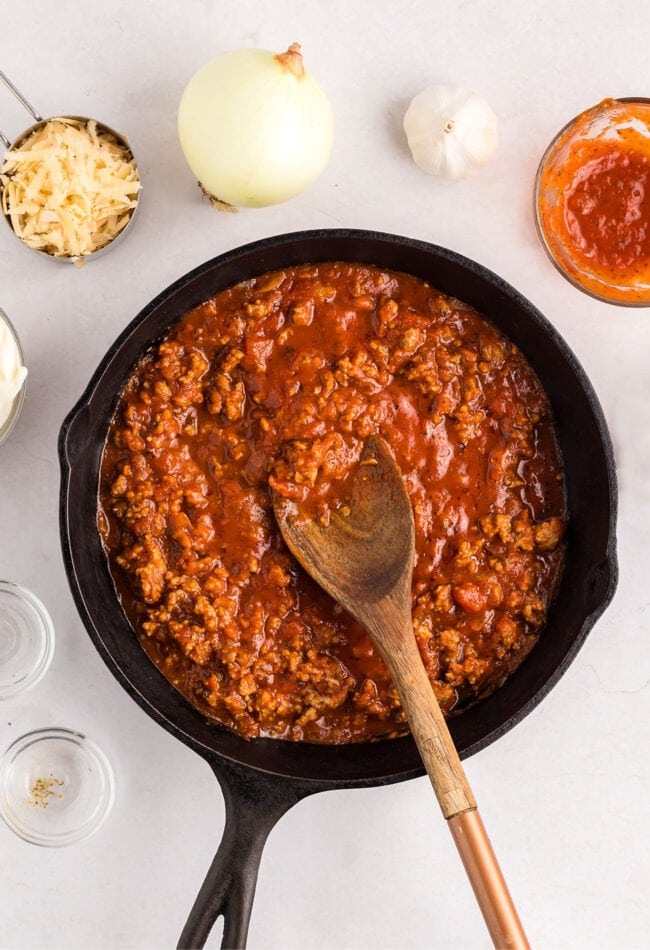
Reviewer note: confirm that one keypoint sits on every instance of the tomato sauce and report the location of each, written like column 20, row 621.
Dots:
column 594, row 201
column 607, row 211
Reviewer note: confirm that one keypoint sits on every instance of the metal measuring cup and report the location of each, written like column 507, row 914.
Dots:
column 39, row 122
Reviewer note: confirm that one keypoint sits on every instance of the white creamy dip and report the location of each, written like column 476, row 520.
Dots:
column 12, row 372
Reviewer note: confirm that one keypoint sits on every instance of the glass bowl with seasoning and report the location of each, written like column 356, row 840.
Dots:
column 13, row 377
column 69, row 185
column 56, row 787
column 592, row 201
column 26, row 640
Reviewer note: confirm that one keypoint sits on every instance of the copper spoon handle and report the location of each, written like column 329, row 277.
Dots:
column 484, row 873
column 452, row 789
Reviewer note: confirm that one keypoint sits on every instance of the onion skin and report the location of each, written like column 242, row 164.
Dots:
column 255, row 127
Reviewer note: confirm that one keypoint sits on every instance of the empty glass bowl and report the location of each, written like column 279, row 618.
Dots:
column 56, row 787
column 26, row 639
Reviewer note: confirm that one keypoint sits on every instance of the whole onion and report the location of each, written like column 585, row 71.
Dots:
column 255, row 127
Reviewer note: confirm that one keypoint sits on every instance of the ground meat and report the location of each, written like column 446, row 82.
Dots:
column 276, row 383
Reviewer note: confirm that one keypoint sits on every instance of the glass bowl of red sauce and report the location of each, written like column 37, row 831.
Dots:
column 592, row 201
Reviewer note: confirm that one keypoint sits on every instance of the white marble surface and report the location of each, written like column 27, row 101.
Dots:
column 565, row 795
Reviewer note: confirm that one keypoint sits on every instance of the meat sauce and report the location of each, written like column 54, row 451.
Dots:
column 276, row 383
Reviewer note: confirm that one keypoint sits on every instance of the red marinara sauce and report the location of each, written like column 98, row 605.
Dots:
column 277, row 383
column 593, row 201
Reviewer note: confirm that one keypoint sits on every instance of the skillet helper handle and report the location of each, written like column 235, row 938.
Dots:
column 253, row 806
column 443, row 765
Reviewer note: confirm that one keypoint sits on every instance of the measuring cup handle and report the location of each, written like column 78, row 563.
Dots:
column 19, row 96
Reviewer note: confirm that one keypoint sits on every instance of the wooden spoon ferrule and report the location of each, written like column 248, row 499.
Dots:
column 447, row 777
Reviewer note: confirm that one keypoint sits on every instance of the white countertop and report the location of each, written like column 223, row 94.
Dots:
column 565, row 794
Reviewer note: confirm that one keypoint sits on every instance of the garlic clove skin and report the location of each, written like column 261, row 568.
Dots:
column 451, row 131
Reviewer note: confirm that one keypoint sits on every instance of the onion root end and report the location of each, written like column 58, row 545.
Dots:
column 217, row 202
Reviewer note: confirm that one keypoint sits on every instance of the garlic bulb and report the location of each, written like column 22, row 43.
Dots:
column 255, row 127
column 451, row 131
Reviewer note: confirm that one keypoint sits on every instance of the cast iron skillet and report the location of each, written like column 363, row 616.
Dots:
column 262, row 779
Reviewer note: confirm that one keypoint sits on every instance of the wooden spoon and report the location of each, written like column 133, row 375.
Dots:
column 363, row 558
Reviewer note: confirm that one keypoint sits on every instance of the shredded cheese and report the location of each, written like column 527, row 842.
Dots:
column 69, row 189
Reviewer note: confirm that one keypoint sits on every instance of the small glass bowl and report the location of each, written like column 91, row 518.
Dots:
column 26, row 640
column 8, row 424
column 56, row 787
column 613, row 120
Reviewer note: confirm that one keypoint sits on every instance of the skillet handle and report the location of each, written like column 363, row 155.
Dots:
column 254, row 804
